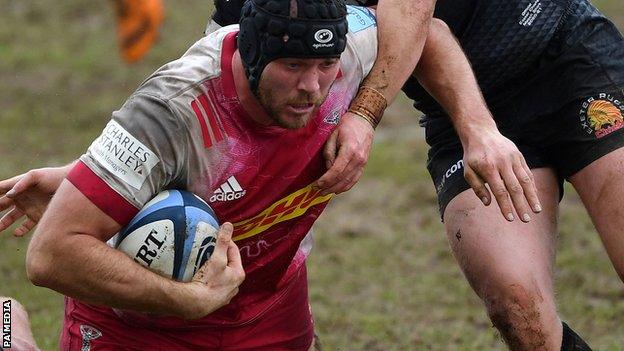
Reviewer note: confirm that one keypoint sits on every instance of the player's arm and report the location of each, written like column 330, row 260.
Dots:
column 402, row 29
column 68, row 254
column 489, row 157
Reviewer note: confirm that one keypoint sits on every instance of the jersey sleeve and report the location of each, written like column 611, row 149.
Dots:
column 141, row 151
column 362, row 37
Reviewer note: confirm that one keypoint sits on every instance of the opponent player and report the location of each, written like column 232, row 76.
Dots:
column 553, row 74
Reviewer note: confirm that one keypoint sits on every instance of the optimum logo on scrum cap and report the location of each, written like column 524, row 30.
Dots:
column 272, row 29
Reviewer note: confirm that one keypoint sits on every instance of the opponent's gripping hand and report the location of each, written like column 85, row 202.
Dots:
column 493, row 159
column 27, row 195
column 346, row 153
column 217, row 281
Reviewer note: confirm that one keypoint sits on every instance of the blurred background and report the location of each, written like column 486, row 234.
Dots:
column 382, row 275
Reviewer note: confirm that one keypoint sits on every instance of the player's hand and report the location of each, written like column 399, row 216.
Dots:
column 217, row 281
column 27, row 196
column 493, row 159
column 346, row 153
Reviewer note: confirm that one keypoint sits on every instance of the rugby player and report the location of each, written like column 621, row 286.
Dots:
column 232, row 110
column 552, row 72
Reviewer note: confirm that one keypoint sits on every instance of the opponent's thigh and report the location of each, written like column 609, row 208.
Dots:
column 601, row 188
column 509, row 264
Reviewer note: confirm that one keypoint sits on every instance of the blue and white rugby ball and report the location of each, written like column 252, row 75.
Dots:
column 173, row 235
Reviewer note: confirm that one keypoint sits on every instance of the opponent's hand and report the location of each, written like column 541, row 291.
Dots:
column 27, row 195
column 346, row 153
column 217, row 281
column 493, row 159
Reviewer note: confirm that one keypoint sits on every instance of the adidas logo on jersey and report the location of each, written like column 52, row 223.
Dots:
column 228, row 191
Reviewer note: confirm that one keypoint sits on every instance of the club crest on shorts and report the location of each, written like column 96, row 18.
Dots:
column 602, row 115
column 88, row 333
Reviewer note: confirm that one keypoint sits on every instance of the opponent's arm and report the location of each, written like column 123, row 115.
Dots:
column 68, row 254
column 28, row 194
column 489, row 157
column 402, row 29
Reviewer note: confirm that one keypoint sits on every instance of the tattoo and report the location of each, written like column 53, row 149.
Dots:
column 458, row 235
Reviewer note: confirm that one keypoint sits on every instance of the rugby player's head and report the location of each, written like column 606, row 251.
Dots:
column 290, row 52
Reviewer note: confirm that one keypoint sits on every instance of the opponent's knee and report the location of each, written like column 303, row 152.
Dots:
column 515, row 312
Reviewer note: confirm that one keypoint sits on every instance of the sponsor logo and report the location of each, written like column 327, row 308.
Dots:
column 205, row 251
column 323, row 36
column 530, row 13
column 150, row 247
column 457, row 166
column 228, row 191
column 6, row 324
column 254, row 249
column 123, row 155
column 360, row 18
column 88, row 333
column 602, row 115
column 289, row 207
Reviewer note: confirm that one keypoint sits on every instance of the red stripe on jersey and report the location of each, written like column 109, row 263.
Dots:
column 214, row 124
column 101, row 194
column 202, row 124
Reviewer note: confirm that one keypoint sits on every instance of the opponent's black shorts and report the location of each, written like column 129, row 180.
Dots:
column 565, row 136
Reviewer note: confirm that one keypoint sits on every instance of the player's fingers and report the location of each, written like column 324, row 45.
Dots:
column 10, row 217
column 478, row 185
column 527, row 180
column 219, row 256
column 517, row 194
column 235, row 263
column 5, row 203
column 349, row 178
column 7, row 184
column 497, row 186
column 25, row 227
column 24, row 183
column 233, row 255
column 336, row 171
column 331, row 149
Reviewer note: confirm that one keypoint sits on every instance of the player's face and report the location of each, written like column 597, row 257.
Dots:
column 291, row 90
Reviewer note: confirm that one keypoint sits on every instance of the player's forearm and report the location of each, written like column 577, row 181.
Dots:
column 81, row 266
column 444, row 71
column 63, row 257
column 402, row 31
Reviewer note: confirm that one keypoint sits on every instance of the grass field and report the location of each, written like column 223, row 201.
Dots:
column 382, row 276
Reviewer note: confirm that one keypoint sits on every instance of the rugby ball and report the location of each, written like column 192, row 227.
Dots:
column 172, row 235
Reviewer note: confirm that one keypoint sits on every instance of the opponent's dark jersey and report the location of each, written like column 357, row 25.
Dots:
column 507, row 42
column 515, row 47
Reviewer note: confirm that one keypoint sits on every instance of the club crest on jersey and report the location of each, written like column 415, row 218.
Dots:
column 228, row 191
column 602, row 115
column 333, row 117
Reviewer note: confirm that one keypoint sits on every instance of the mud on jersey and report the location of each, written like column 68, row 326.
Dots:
column 185, row 128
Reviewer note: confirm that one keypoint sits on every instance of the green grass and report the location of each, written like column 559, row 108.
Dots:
column 382, row 276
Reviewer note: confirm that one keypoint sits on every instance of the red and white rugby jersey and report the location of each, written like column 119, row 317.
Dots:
column 184, row 128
